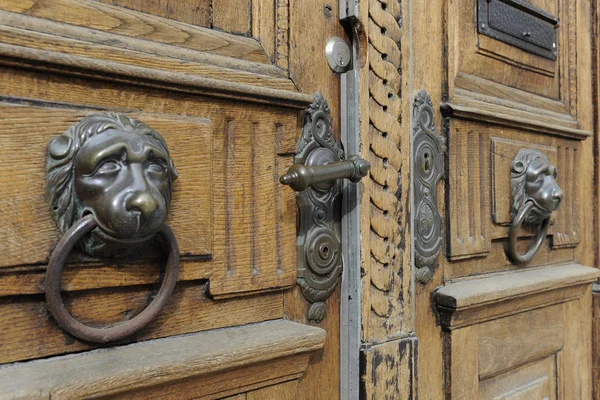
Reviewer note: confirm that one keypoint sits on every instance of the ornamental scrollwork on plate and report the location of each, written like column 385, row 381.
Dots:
column 428, row 166
column 319, row 244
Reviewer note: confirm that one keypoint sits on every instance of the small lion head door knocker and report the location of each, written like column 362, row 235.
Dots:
column 535, row 195
column 108, row 186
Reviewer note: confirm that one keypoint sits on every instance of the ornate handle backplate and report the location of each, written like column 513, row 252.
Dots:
column 318, row 167
column 535, row 195
column 108, row 186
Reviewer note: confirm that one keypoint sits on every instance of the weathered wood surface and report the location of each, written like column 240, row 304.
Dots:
column 143, row 365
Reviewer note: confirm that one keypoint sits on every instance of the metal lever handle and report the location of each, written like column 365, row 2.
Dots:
column 300, row 177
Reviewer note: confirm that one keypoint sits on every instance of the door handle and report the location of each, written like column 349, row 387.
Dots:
column 109, row 199
column 535, row 196
column 300, row 177
column 319, row 166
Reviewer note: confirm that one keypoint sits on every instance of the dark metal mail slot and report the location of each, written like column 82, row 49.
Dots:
column 519, row 24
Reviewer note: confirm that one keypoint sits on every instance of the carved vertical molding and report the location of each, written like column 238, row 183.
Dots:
column 566, row 229
column 468, row 188
column 389, row 269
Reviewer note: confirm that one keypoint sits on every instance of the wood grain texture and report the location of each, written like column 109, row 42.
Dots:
column 386, row 311
column 473, row 301
column 576, row 379
column 34, row 334
column 232, row 16
column 128, row 23
column 467, row 185
column 533, row 381
column 595, row 340
column 507, row 343
column 477, row 63
column 282, row 391
column 195, row 12
column 118, row 370
column 25, row 134
column 389, row 370
column 461, row 362
column 566, row 230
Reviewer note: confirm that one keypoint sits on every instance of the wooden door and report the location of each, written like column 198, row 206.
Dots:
column 488, row 327
column 226, row 84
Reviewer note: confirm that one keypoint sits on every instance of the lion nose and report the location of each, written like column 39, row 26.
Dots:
column 557, row 196
column 142, row 202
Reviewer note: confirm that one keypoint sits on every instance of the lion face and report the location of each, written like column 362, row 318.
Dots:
column 117, row 169
column 533, row 178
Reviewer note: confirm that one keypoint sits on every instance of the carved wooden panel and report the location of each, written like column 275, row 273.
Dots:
column 566, row 229
column 25, row 133
column 467, row 185
column 535, row 381
column 255, row 225
column 493, row 80
column 479, row 194
column 387, row 271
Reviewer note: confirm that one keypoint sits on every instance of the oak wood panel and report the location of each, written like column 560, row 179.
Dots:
column 465, row 56
column 507, row 343
column 496, row 260
column 264, row 25
column 282, row 391
column 25, row 133
column 195, row 12
column 473, row 301
column 232, row 16
column 530, row 382
column 467, row 185
column 85, row 45
column 32, row 333
column 390, row 370
column 129, row 23
column 461, row 360
column 278, row 128
column 566, row 230
column 118, row 370
column 225, row 383
column 576, row 380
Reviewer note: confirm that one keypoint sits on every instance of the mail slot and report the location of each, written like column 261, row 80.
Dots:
column 519, row 24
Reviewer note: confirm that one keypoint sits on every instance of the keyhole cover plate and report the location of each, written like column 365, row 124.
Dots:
column 338, row 54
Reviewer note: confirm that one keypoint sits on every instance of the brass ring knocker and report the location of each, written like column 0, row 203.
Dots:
column 535, row 196
column 108, row 186
column 124, row 329
column 513, row 234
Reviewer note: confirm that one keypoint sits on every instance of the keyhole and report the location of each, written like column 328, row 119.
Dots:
column 341, row 59
column 426, row 166
column 324, row 251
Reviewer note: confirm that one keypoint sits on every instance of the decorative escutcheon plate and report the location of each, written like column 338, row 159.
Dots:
column 428, row 167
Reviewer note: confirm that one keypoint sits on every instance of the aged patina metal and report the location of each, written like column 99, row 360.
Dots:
column 535, row 195
column 519, row 24
column 108, row 186
column 428, row 165
column 319, row 167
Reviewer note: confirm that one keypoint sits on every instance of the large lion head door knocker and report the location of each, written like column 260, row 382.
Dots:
column 535, row 195
column 108, row 186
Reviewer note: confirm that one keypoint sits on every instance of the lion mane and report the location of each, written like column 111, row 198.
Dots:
column 63, row 203
column 518, row 177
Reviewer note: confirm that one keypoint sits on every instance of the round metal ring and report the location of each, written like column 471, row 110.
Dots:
column 123, row 329
column 513, row 234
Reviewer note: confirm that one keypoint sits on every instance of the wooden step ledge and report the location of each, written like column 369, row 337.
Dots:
column 473, row 301
column 149, row 364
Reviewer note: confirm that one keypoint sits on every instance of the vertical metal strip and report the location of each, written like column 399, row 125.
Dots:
column 350, row 307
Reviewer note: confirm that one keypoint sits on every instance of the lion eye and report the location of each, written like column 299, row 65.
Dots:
column 156, row 166
column 108, row 167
